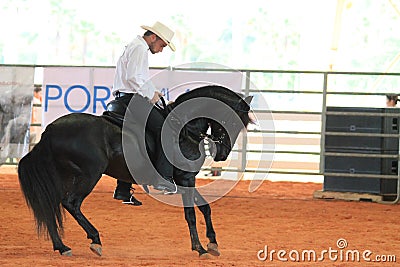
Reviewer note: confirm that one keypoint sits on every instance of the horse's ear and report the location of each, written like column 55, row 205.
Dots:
column 248, row 99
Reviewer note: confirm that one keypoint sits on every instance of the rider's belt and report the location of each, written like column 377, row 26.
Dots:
column 122, row 94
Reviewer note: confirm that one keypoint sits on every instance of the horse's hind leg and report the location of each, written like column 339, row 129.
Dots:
column 57, row 242
column 205, row 208
column 72, row 203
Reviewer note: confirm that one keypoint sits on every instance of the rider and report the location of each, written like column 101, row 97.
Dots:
column 131, row 78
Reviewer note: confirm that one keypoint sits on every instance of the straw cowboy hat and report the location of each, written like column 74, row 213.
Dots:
column 163, row 32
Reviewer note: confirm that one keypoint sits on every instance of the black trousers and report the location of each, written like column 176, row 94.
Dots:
column 154, row 123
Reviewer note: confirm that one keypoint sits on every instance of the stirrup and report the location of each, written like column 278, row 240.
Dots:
column 171, row 193
column 132, row 201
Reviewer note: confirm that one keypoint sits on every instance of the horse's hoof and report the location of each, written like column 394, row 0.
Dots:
column 212, row 248
column 205, row 256
column 96, row 248
column 67, row 253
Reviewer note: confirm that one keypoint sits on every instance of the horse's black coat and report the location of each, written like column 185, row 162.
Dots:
column 76, row 149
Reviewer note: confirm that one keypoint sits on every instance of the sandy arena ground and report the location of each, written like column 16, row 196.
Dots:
column 280, row 215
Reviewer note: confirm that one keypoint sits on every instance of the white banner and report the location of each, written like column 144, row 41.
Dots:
column 16, row 94
column 88, row 90
column 75, row 89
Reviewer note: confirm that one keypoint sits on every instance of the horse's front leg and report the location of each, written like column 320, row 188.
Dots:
column 205, row 208
column 190, row 216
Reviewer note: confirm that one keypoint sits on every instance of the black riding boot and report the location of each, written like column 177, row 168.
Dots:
column 123, row 192
column 166, row 183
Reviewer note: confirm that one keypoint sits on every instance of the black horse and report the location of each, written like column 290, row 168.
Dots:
column 77, row 149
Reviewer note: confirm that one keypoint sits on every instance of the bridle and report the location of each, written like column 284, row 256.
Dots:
column 216, row 140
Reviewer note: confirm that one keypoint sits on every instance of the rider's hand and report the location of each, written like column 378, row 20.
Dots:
column 156, row 97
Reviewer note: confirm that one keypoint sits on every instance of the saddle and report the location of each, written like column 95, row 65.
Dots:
column 115, row 112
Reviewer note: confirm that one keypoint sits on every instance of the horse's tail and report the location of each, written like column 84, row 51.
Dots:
column 42, row 186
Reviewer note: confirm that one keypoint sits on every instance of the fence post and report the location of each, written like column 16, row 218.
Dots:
column 244, row 136
column 323, row 124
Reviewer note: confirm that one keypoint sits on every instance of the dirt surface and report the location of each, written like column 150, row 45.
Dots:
column 280, row 215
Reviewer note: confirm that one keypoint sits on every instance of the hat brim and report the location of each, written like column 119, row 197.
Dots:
column 170, row 44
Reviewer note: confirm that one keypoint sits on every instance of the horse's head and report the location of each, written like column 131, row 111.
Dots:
column 225, row 132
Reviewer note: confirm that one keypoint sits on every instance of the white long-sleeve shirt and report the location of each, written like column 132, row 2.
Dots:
column 132, row 71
